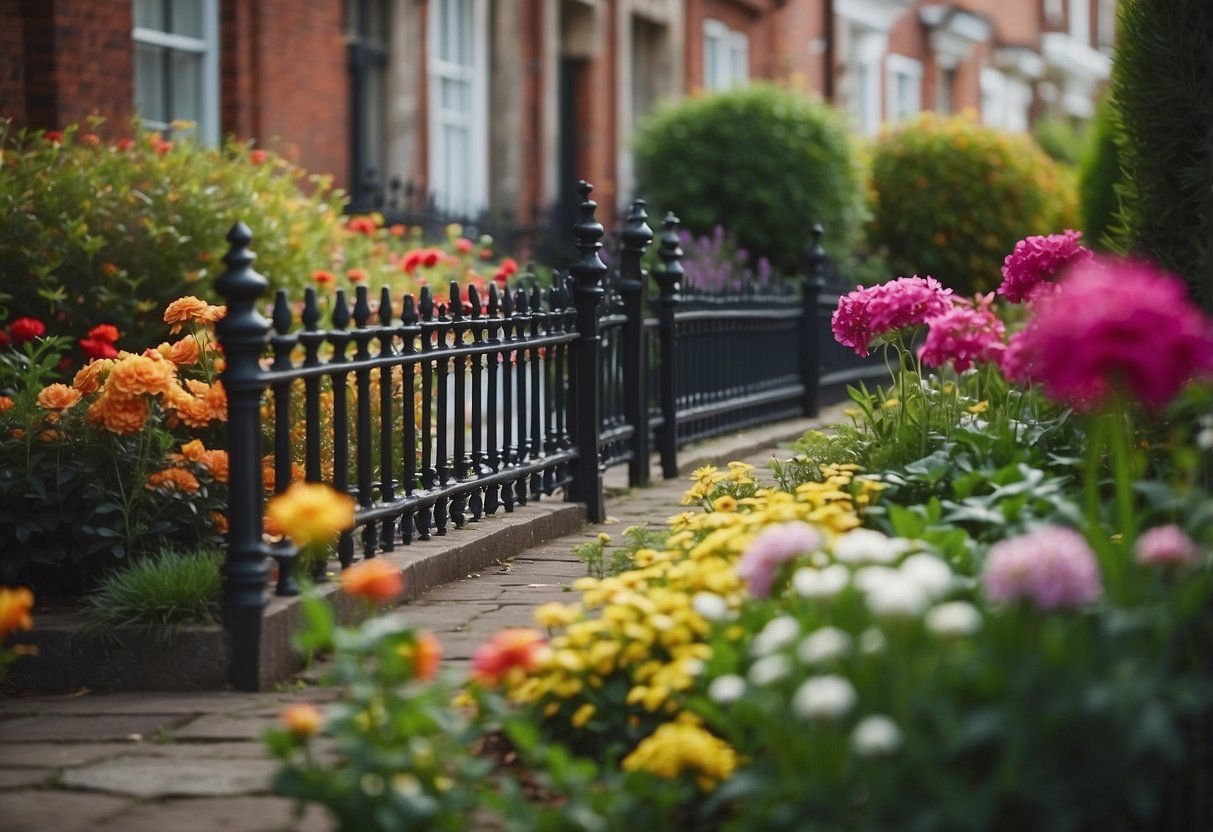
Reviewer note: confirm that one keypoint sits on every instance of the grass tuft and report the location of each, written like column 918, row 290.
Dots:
column 163, row 591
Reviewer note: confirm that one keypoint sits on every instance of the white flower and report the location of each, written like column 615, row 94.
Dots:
column 1204, row 439
column 819, row 559
column 899, row 597
column 869, row 577
column 860, row 546
column 692, row 666
column 821, row 584
column 931, row 573
column 824, row 697
column 769, row 669
column 872, row 641
column 954, row 620
column 726, row 690
column 711, row 607
column 779, row 632
column 875, row 736
column 824, row 645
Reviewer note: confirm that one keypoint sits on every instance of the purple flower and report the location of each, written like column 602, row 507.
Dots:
column 865, row 314
column 775, row 546
column 1037, row 260
column 1053, row 567
column 1166, row 546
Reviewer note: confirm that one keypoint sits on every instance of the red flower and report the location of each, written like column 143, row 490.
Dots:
column 430, row 258
column 123, row 145
column 509, row 265
column 91, row 139
column 362, row 225
column 323, row 277
column 508, row 649
column 486, row 254
column 412, row 260
column 3, row 339
column 109, row 269
column 501, row 278
column 397, row 230
column 161, row 147
column 96, row 348
column 463, row 245
column 358, row 275
column 105, row 332
column 53, row 137
column 26, row 329
column 258, row 157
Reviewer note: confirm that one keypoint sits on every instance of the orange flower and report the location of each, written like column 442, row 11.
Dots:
column 375, row 580
column 88, row 378
column 426, row 654
column 118, row 414
column 323, row 277
column 15, row 606
column 193, row 450
column 298, row 474
column 311, row 512
column 185, row 352
column 188, row 308
column 518, row 647
column 6, row 404
column 358, row 275
column 58, row 397
column 302, row 720
column 173, row 479
column 219, row 521
column 215, row 462
column 49, row 436
column 136, row 375
column 213, row 314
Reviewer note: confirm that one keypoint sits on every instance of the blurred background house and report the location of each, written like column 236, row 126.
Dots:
column 490, row 108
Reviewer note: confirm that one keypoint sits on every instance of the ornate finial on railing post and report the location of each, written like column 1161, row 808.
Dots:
column 636, row 237
column 669, row 275
column 815, row 263
column 587, row 272
column 243, row 335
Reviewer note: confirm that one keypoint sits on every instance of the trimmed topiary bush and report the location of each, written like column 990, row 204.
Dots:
column 1098, row 173
column 789, row 163
column 952, row 197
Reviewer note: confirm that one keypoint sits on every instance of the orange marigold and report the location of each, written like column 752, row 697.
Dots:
column 213, row 314
column 215, row 462
column 185, row 352
column 298, row 474
column 188, row 308
column 137, row 375
column 193, row 450
column 6, row 404
column 89, row 377
column 375, row 580
column 58, row 397
column 15, row 606
column 173, row 479
column 118, row 414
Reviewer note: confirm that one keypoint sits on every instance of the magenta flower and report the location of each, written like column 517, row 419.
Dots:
column 866, row 314
column 774, row 547
column 1166, row 546
column 963, row 335
column 1014, row 363
column 1117, row 324
column 1053, row 567
column 1037, row 260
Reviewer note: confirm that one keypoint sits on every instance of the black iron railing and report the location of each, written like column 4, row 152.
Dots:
column 433, row 412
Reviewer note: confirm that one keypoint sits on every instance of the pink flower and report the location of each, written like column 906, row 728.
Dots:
column 1166, row 546
column 1014, row 363
column 1036, row 260
column 775, row 546
column 1117, row 324
column 866, row 314
column 963, row 335
column 1053, row 567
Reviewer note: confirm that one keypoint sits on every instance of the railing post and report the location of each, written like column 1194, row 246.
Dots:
column 587, row 272
column 243, row 336
column 636, row 237
column 669, row 279
column 810, row 336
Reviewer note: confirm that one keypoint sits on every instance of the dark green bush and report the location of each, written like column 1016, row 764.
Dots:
column 763, row 161
column 1098, row 173
column 1162, row 83
column 1059, row 139
column 953, row 197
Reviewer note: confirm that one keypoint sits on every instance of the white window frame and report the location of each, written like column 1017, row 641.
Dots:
column 1080, row 21
column 207, row 46
column 732, row 52
column 993, row 97
column 1107, row 23
column 898, row 67
column 474, row 199
column 865, row 62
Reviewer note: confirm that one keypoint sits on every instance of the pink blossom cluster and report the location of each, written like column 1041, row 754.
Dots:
column 774, row 547
column 1014, row 361
column 1116, row 324
column 963, row 335
column 1037, row 260
column 1166, row 546
column 1052, row 567
column 866, row 314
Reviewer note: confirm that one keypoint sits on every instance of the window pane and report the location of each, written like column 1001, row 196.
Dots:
column 149, row 82
column 372, row 134
column 149, row 14
column 187, row 18
column 378, row 27
column 186, row 101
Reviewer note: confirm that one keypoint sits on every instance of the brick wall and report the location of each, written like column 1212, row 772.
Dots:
column 12, row 62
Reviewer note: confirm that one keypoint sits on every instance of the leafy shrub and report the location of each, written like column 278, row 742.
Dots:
column 952, row 197
column 162, row 590
column 1098, row 173
column 790, row 164
column 1059, row 139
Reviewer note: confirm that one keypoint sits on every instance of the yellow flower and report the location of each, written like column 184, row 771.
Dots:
column 679, row 747
column 302, row 720
column 582, row 715
column 725, row 502
column 554, row 614
column 980, row 407
column 15, row 606
column 311, row 512
column 891, row 403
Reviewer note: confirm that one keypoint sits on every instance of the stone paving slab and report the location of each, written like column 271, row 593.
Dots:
column 149, row 777
column 233, row 814
column 35, row 810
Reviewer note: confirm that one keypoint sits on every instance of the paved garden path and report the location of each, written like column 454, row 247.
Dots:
column 179, row 762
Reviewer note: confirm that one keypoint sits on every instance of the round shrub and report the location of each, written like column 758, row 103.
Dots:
column 951, row 199
column 765, row 162
column 98, row 233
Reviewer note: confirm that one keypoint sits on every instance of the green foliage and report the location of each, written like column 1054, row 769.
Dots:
column 952, row 198
column 1162, row 83
column 1098, row 173
column 97, row 233
column 162, row 590
column 790, row 163
column 1059, row 139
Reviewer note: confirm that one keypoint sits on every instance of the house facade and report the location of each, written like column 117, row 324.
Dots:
column 494, row 106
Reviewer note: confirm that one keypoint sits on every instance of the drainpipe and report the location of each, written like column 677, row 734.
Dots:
column 827, row 74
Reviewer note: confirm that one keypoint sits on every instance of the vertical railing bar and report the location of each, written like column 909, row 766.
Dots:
column 425, row 514
column 410, row 331
column 493, row 417
column 387, row 420
column 283, row 343
column 476, row 502
column 442, row 370
column 362, row 336
column 339, row 379
column 460, row 460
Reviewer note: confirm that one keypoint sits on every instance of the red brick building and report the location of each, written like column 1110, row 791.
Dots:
column 496, row 105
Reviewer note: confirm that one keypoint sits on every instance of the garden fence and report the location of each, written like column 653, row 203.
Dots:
column 435, row 411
